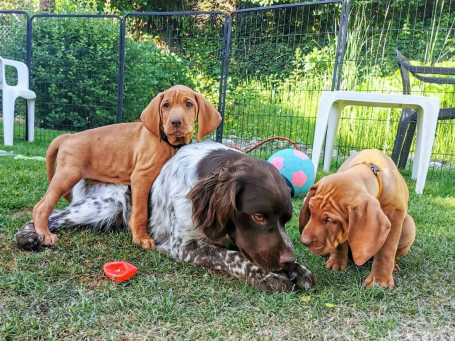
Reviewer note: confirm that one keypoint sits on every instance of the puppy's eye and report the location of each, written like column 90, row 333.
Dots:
column 166, row 105
column 259, row 218
column 329, row 220
column 189, row 104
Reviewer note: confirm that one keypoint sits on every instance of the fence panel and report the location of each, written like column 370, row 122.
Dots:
column 423, row 31
column 281, row 58
column 165, row 49
column 13, row 45
column 75, row 67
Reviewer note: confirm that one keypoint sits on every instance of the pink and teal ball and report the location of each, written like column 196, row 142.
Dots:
column 296, row 167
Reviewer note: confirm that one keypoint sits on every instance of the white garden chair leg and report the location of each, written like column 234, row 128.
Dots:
column 334, row 120
column 8, row 121
column 427, row 134
column 31, row 119
column 320, row 129
column 416, row 161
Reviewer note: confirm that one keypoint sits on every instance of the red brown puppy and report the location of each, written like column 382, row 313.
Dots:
column 362, row 207
column 127, row 153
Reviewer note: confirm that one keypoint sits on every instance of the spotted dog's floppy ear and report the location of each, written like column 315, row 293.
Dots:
column 368, row 228
column 305, row 214
column 151, row 116
column 213, row 200
column 208, row 118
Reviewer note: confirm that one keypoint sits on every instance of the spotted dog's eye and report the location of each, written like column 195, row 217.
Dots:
column 259, row 218
column 189, row 104
column 166, row 105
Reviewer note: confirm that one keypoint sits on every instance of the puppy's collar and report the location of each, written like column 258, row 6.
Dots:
column 376, row 172
column 165, row 139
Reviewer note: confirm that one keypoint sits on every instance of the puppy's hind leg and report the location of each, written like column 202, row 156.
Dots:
column 61, row 183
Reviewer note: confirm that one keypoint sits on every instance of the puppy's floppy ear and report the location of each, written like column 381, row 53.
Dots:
column 368, row 228
column 208, row 118
column 151, row 116
column 305, row 211
column 213, row 200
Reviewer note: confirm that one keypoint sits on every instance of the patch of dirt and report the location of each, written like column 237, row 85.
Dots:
column 93, row 283
column 20, row 213
column 7, row 253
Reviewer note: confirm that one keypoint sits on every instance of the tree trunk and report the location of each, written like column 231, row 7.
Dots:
column 47, row 6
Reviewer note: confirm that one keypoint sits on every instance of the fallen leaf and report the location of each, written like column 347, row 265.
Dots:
column 306, row 298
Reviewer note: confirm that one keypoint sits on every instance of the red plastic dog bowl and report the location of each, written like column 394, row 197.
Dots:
column 119, row 271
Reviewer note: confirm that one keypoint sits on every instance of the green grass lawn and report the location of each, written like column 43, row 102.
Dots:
column 61, row 293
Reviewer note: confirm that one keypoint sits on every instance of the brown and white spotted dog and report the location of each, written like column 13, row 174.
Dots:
column 210, row 206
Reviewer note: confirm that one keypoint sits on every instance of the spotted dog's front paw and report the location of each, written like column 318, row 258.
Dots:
column 301, row 277
column 273, row 282
column 28, row 239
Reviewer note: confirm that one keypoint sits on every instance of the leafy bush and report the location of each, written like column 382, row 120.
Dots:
column 75, row 68
column 74, row 71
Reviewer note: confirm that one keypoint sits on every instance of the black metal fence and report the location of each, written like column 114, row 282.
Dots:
column 263, row 67
column 280, row 59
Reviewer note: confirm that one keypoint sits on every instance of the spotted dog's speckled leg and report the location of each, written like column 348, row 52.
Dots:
column 98, row 212
column 28, row 239
column 236, row 264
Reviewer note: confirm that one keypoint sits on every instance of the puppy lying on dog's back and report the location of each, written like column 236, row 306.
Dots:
column 362, row 207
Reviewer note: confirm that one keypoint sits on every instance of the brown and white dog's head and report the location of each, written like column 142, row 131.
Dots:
column 246, row 199
column 175, row 112
column 335, row 211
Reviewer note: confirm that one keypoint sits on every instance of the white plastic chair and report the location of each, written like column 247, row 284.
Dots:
column 332, row 104
column 10, row 94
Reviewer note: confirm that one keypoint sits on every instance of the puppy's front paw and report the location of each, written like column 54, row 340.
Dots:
column 336, row 264
column 146, row 242
column 383, row 280
column 301, row 277
column 48, row 239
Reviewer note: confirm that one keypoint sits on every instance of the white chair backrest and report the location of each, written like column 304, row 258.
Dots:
column 22, row 74
column 2, row 72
